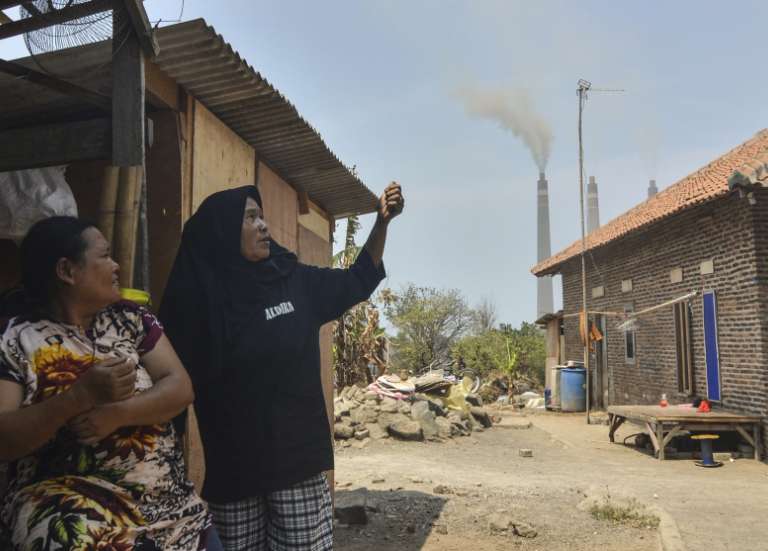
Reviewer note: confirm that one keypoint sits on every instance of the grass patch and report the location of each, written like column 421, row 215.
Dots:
column 631, row 514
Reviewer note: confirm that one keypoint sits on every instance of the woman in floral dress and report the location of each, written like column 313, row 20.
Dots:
column 88, row 385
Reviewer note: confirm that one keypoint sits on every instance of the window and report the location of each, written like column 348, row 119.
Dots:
column 684, row 347
column 630, row 341
column 598, row 292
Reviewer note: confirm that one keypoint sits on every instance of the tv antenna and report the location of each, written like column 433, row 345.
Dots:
column 584, row 88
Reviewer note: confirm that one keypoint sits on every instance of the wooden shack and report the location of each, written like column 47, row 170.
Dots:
column 207, row 121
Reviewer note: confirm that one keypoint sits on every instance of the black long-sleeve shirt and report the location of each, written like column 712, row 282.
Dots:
column 264, row 424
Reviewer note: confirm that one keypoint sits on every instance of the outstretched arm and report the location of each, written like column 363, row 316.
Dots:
column 391, row 204
column 333, row 291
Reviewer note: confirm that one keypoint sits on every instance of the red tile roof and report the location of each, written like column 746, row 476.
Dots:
column 706, row 184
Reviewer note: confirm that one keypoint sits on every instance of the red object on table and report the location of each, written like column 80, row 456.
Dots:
column 704, row 407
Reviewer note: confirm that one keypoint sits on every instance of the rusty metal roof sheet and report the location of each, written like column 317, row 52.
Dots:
column 207, row 67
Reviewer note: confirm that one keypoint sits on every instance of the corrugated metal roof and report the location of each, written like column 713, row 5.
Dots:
column 207, row 67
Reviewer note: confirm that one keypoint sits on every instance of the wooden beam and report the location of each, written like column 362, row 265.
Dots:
column 162, row 90
column 99, row 100
column 59, row 16
column 4, row 19
column 128, row 115
column 31, row 8
column 303, row 202
column 55, row 144
column 141, row 25
column 5, row 4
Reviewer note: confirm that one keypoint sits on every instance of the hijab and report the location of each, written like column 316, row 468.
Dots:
column 213, row 292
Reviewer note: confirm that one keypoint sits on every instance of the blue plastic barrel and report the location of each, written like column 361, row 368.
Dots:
column 573, row 389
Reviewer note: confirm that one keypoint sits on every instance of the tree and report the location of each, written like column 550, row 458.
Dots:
column 485, row 353
column 485, row 316
column 428, row 321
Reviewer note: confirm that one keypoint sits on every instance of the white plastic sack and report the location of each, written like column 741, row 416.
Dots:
column 27, row 196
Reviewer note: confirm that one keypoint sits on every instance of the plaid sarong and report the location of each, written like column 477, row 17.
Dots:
column 299, row 518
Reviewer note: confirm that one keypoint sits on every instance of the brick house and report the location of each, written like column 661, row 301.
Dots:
column 708, row 234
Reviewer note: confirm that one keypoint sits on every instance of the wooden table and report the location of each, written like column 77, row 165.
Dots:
column 663, row 424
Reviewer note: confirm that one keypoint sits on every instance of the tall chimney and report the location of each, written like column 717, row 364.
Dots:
column 545, row 300
column 652, row 189
column 593, row 207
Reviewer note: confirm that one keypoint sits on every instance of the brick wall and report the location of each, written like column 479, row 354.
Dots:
column 730, row 232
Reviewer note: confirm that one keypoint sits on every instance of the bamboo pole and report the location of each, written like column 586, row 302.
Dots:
column 593, row 312
column 108, row 203
column 126, row 221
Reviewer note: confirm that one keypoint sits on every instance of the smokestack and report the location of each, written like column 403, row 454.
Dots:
column 545, row 300
column 593, row 207
column 652, row 189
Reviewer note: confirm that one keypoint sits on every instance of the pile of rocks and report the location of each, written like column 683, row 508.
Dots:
column 362, row 415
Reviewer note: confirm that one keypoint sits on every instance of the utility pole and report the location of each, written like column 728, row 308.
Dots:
column 583, row 87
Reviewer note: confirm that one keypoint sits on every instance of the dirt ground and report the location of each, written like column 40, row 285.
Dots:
column 486, row 478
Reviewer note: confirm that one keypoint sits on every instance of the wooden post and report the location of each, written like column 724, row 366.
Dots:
column 128, row 136
column 128, row 115
column 108, row 203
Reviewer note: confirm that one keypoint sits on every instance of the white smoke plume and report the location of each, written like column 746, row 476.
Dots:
column 514, row 111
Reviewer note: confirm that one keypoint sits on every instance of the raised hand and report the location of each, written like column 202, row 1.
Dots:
column 391, row 202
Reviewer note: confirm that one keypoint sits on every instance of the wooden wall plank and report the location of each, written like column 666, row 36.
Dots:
column 280, row 207
column 221, row 159
column 164, row 199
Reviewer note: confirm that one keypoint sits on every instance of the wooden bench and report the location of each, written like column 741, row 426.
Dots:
column 664, row 423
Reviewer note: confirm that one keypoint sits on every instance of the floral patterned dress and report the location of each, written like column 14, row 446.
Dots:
column 127, row 492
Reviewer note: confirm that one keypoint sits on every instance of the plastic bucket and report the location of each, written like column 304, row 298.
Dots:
column 138, row 296
column 555, row 398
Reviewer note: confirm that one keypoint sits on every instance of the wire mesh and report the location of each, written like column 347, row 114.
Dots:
column 85, row 30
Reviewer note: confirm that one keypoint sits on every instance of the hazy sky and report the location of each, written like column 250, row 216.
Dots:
column 381, row 81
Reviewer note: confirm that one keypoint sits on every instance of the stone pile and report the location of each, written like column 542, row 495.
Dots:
column 361, row 415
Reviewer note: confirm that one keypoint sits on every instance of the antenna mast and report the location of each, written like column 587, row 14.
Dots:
column 583, row 87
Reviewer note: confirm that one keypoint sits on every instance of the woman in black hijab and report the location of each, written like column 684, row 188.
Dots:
column 244, row 316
